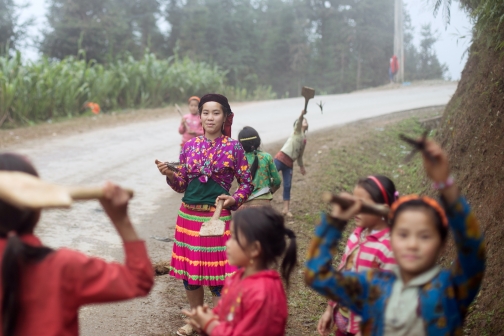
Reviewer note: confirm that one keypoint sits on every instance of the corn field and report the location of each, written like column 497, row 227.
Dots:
column 49, row 89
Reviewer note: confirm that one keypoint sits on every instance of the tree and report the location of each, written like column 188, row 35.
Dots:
column 429, row 65
column 99, row 27
column 11, row 30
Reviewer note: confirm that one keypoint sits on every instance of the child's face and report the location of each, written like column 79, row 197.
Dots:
column 212, row 117
column 235, row 254
column 415, row 241
column 304, row 127
column 365, row 220
column 193, row 107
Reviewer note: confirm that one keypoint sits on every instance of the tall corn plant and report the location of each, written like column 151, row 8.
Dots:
column 37, row 91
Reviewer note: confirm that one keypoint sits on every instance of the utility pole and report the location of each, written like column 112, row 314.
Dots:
column 399, row 39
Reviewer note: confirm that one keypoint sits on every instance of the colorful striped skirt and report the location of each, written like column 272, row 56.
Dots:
column 199, row 260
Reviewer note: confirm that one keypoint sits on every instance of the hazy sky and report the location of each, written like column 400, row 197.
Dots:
column 450, row 48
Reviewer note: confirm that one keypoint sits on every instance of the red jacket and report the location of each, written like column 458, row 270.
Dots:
column 256, row 305
column 53, row 290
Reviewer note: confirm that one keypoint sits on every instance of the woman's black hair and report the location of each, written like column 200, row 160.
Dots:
column 376, row 192
column 250, row 144
column 14, row 223
column 266, row 225
column 418, row 204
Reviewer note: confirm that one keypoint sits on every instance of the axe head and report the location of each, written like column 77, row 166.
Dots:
column 307, row 92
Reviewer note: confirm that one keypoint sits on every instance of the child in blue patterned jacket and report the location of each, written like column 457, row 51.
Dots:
column 417, row 297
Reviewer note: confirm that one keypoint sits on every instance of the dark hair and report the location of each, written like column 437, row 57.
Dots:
column 225, row 110
column 250, row 145
column 266, row 225
column 418, row 204
column 376, row 192
column 13, row 223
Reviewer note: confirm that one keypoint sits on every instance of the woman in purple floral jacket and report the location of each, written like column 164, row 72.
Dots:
column 209, row 164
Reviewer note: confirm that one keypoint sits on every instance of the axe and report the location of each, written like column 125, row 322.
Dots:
column 26, row 191
column 307, row 93
column 214, row 227
column 372, row 209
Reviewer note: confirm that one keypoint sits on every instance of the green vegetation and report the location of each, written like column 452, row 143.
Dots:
column 114, row 53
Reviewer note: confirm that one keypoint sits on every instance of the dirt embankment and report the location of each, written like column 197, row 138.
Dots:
column 473, row 133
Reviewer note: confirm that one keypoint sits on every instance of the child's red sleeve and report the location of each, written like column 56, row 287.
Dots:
column 94, row 280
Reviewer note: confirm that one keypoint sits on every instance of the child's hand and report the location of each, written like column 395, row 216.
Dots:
column 326, row 321
column 438, row 169
column 115, row 203
column 348, row 213
column 200, row 316
column 303, row 170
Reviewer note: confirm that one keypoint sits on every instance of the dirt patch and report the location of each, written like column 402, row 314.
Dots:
column 472, row 132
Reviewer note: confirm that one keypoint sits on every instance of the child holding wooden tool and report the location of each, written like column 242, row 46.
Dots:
column 367, row 247
column 42, row 288
column 190, row 126
column 417, row 297
column 208, row 166
column 291, row 151
column 253, row 299
column 265, row 176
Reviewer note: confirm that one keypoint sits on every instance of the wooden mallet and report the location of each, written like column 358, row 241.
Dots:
column 307, row 93
column 372, row 209
column 26, row 191
column 214, row 227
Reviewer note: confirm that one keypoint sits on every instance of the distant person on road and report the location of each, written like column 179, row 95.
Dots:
column 367, row 247
column 190, row 126
column 393, row 68
column 253, row 299
column 208, row 166
column 265, row 175
column 291, row 151
column 43, row 289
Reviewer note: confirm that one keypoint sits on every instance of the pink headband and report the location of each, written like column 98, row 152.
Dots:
column 384, row 193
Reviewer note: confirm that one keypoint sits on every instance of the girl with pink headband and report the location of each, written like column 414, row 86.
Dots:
column 190, row 125
column 367, row 247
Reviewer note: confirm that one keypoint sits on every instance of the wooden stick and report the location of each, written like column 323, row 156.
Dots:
column 372, row 209
column 182, row 115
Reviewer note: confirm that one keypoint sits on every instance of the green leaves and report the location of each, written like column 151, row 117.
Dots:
column 55, row 89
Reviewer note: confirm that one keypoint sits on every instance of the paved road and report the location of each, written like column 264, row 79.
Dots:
column 125, row 154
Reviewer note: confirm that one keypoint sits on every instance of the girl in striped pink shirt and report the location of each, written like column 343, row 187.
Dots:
column 367, row 247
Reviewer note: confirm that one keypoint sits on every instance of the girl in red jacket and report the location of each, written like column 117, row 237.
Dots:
column 42, row 289
column 253, row 299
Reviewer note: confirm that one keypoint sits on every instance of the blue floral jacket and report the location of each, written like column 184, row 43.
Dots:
column 443, row 302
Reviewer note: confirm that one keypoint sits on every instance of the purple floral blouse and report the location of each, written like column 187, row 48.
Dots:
column 221, row 160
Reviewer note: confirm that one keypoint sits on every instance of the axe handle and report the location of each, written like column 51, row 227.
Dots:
column 372, row 209
column 306, row 103
column 89, row 193
column 218, row 210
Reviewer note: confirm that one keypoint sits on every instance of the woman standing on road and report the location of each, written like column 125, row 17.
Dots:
column 291, row 151
column 265, row 176
column 208, row 165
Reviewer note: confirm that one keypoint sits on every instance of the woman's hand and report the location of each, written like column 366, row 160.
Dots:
column 163, row 169
column 200, row 316
column 326, row 322
column 348, row 213
column 303, row 170
column 115, row 203
column 229, row 201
